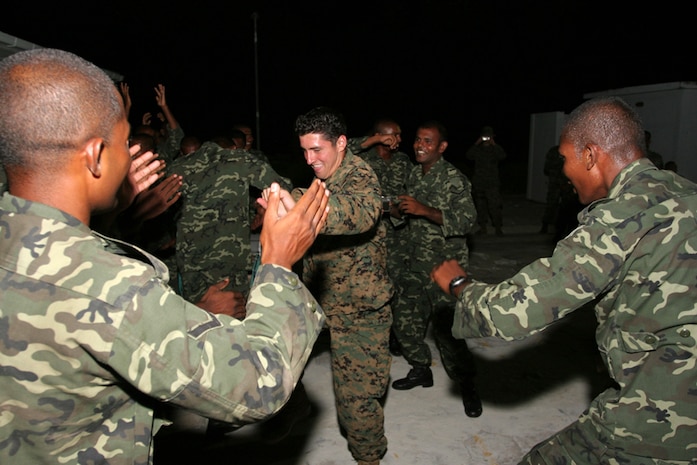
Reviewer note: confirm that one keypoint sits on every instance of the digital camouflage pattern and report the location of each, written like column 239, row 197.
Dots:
column 346, row 271
column 486, row 185
column 392, row 176
column 635, row 256
column 346, row 264
column 447, row 189
column 213, row 220
column 92, row 337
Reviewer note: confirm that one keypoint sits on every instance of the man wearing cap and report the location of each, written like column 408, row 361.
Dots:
column 486, row 186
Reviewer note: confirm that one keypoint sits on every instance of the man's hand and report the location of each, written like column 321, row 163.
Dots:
column 155, row 201
column 145, row 170
column 287, row 201
column 445, row 272
column 289, row 230
column 410, row 206
column 160, row 96
column 218, row 301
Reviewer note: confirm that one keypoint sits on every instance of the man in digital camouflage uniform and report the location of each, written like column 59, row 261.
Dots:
column 381, row 151
column 346, row 270
column 213, row 218
column 439, row 211
column 93, row 338
column 634, row 256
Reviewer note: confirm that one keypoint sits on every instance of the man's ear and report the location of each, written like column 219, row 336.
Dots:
column 442, row 146
column 341, row 143
column 93, row 156
column 591, row 153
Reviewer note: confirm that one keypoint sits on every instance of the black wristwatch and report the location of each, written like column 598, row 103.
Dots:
column 457, row 281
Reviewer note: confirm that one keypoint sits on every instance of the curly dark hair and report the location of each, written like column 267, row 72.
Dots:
column 321, row 120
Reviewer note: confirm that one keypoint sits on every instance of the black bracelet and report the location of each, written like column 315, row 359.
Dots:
column 457, row 281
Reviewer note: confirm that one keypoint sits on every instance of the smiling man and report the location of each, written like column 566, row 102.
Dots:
column 346, row 272
column 634, row 257
column 439, row 212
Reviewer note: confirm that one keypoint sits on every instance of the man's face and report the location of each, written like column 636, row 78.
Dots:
column 577, row 168
column 323, row 157
column 428, row 147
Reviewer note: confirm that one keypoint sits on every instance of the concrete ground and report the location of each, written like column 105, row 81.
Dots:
column 530, row 388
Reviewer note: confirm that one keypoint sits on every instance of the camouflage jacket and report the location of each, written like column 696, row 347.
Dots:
column 486, row 160
column 391, row 174
column 635, row 256
column 213, row 218
column 446, row 188
column 168, row 149
column 92, row 337
column 346, row 267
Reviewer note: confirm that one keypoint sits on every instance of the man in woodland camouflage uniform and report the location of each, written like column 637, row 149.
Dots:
column 346, row 270
column 381, row 152
column 93, row 338
column 213, row 219
column 439, row 209
column 486, row 185
column 634, row 256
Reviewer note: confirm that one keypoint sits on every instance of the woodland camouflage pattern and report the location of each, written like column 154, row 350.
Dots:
column 91, row 336
column 213, row 220
column 446, row 188
column 635, row 256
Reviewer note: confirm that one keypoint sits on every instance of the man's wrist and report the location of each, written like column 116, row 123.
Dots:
column 456, row 283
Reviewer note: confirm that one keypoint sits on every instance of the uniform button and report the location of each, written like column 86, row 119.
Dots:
column 650, row 339
column 293, row 281
column 684, row 332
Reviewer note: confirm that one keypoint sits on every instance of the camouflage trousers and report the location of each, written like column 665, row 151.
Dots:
column 574, row 446
column 417, row 303
column 489, row 205
column 361, row 364
column 193, row 284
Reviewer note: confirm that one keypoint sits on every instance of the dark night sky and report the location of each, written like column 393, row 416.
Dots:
column 468, row 64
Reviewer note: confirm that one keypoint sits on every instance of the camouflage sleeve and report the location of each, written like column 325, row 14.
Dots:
column 354, row 144
column 263, row 174
column 459, row 213
column 543, row 291
column 169, row 149
column 238, row 371
column 355, row 207
column 395, row 182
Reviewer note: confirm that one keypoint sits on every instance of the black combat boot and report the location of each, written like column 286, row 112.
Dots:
column 470, row 399
column 417, row 376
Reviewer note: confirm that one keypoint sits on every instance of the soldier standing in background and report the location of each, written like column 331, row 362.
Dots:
column 381, row 151
column 633, row 256
column 486, row 185
column 440, row 213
